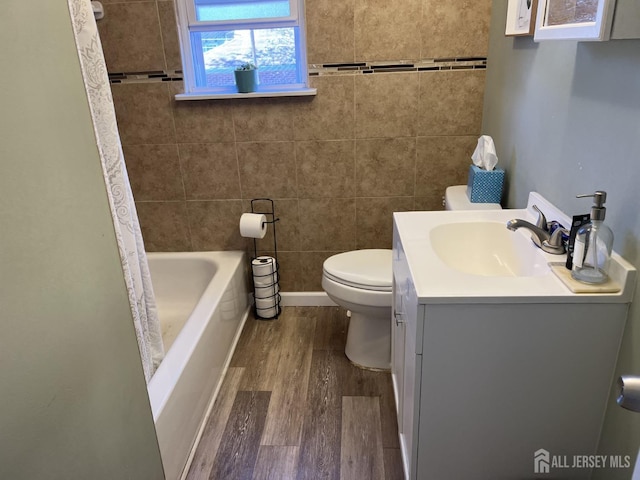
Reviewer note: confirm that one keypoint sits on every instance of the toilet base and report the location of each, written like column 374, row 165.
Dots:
column 371, row 369
column 369, row 340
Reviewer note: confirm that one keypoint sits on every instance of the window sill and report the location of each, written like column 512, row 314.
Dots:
column 303, row 92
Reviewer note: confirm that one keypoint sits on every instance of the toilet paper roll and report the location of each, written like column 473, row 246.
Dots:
column 265, row 280
column 266, row 293
column 264, row 271
column 267, row 308
column 253, row 225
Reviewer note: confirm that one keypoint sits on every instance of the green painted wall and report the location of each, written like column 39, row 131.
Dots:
column 73, row 402
column 566, row 120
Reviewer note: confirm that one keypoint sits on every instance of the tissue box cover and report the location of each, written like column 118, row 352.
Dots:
column 485, row 186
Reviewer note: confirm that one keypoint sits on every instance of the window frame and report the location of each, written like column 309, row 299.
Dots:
column 188, row 24
column 294, row 8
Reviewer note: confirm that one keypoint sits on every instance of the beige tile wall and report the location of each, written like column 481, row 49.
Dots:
column 337, row 165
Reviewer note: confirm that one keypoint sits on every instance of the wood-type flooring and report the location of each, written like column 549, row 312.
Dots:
column 292, row 406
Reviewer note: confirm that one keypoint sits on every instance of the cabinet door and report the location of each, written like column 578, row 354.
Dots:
column 406, row 361
column 411, row 379
column 397, row 351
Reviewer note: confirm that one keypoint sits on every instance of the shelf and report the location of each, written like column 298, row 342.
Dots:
column 304, row 92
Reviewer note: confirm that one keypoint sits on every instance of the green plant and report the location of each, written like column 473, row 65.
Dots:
column 246, row 66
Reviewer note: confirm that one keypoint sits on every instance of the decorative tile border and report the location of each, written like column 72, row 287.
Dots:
column 356, row 68
column 433, row 64
column 146, row 77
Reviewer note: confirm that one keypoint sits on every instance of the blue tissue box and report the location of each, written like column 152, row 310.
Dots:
column 484, row 186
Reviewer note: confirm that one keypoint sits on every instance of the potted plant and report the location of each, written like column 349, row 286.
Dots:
column 246, row 77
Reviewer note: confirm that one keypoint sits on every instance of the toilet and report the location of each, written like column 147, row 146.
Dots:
column 361, row 280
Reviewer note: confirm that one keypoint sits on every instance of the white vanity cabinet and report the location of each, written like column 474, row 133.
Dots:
column 484, row 381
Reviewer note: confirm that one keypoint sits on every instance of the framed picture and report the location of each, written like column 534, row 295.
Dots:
column 521, row 16
column 587, row 20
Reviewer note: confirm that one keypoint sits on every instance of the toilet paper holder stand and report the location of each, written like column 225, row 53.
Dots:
column 275, row 272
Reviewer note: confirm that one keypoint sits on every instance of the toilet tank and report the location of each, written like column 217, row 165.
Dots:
column 455, row 198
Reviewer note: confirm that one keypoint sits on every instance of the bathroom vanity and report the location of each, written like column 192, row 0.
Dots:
column 493, row 356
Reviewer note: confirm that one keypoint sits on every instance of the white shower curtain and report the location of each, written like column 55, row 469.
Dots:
column 123, row 210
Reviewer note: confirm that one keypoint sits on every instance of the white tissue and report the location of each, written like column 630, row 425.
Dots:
column 484, row 155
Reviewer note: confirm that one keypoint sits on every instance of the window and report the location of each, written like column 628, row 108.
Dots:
column 217, row 36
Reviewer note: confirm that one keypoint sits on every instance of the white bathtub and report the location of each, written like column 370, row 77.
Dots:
column 203, row 303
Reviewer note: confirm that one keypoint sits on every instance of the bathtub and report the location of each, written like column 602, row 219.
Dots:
column 203, row 302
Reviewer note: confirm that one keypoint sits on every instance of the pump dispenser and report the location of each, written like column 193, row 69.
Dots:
column 594, row 242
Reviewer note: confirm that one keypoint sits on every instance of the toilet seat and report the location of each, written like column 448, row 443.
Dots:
column 364, row 269
column 360, row 286
column 355, row 296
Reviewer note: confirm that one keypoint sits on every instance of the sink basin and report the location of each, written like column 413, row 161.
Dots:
column 487, row 249
column 470, row 257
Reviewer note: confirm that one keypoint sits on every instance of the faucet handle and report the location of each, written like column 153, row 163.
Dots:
column 555, row 244
column 542, row 220
column 557, row 237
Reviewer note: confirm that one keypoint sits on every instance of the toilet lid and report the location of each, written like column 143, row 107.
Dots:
column 368, row 269
column 456, row 198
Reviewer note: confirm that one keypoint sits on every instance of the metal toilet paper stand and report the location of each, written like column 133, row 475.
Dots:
column 262, row 312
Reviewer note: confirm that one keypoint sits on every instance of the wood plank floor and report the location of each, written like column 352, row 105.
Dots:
column 293, row 407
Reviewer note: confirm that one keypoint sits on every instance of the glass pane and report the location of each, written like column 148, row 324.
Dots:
column 562, row 12
column 273, row 50
column 276, row 56
column 220, row 10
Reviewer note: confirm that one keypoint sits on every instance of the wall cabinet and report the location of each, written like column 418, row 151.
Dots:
column 480, row 387
column 596, row 20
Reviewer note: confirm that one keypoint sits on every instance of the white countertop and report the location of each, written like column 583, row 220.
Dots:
column 435, row 282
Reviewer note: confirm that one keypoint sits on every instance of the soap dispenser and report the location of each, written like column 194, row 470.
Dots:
column 594, row 241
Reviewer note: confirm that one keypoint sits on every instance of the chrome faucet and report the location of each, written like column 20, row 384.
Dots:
column 540, row 234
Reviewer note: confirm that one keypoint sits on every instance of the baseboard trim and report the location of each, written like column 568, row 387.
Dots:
column 306, row 299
